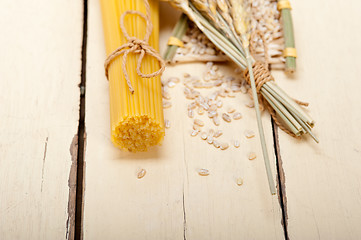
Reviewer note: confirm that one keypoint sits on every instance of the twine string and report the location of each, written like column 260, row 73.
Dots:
column 137, row 46
column 262, row 75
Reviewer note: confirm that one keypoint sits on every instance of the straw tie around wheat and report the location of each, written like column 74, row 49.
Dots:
column 135, row 45
column 262, row 75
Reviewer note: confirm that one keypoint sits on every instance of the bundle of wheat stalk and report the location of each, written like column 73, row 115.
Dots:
column 226, row 24
column 264, row 17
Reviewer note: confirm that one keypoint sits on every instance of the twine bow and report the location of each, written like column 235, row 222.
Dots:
column 137, row 46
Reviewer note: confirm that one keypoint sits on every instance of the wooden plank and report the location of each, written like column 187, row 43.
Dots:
column 117, row 204
column 323, row 183
column 172, row 201
column 40, row 68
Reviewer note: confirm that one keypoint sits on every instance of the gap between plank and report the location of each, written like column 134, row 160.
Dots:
column 81, row 134
column 281, row 181
column 184, row 182
column 42, row 170
column 184, row 219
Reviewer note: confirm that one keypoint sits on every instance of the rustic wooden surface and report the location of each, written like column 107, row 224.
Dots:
column 40, row 69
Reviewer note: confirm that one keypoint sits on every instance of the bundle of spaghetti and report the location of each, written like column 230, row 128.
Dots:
column 136, row 118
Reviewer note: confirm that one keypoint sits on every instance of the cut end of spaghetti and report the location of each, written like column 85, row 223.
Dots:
column 137, row 133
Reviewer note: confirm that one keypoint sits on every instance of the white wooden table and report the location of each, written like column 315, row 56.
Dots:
column 58, row 183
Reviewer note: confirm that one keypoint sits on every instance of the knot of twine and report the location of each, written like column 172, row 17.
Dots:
column 262, row 75
column 135, row 45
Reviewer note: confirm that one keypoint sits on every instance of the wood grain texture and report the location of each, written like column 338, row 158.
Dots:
column 172, row 201
column 323, row 182
column 40, row 67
